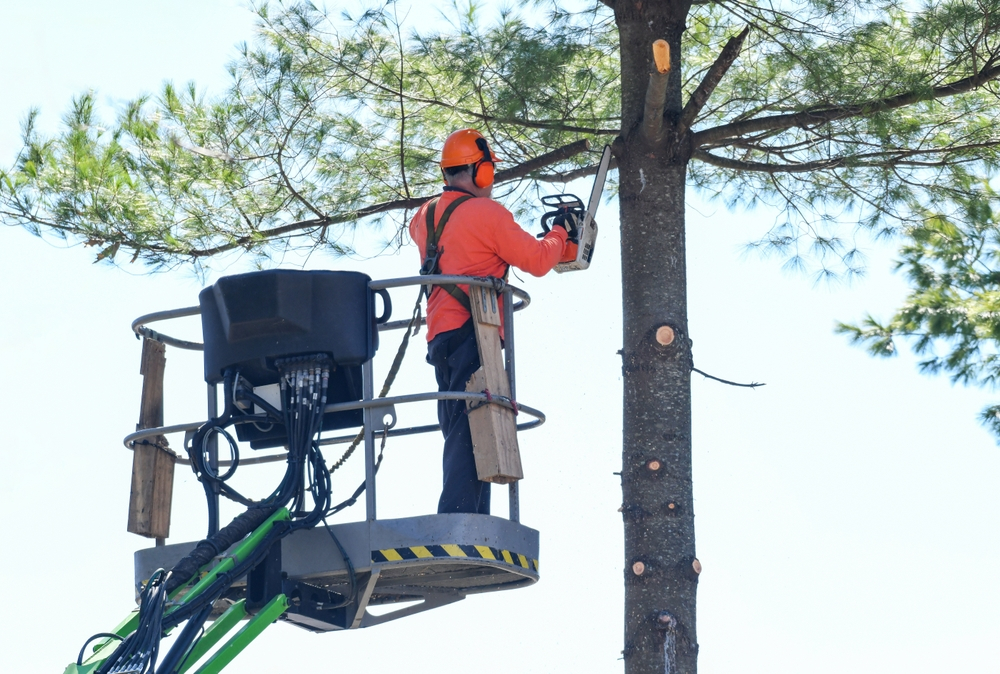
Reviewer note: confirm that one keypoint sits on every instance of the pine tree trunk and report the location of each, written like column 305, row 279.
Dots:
column 661, row 579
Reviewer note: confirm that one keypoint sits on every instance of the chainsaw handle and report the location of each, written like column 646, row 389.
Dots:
column 562, row 201
column 563, row 204
column 548, row 218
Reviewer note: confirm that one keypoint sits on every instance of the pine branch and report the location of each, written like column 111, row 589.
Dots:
column 573, row 175
column 549, row 125
column 867, row 160
column 540, row 162
column 711, row 80
column 738, row 165
column 24, row 216
column 823, row 115
column 510, row 175
column 288, row 182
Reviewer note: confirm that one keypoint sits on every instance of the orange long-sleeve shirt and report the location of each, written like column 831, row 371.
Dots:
column 480, row 238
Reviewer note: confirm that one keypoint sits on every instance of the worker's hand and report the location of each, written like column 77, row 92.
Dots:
column 564, row 218
column 567, row 221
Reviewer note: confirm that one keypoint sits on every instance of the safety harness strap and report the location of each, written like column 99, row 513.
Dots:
column 432, row 259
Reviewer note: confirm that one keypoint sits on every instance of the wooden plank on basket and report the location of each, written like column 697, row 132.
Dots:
column 152, row 490
column 494, row 427
column 152, row 461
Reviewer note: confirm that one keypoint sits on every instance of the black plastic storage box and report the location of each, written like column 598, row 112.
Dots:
column 250, row 320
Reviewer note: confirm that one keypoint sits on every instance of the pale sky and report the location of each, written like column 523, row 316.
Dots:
column 847, row 512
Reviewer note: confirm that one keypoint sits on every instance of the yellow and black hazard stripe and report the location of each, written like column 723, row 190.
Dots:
column 471, row 551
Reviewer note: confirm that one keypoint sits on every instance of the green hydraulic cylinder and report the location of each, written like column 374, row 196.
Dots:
column 267, row 615
column 213, row 635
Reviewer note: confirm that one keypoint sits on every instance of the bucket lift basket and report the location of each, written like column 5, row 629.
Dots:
column 417, row 563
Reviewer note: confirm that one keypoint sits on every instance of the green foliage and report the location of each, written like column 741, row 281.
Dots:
column 952, row 314
column 882, row 138
column 318, row 126
column 873, row 113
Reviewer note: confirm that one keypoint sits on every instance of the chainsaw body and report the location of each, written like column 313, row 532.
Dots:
column 579, row 219
column 580, row 225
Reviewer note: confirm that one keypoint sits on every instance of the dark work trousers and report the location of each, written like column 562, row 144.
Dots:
column 455, row 357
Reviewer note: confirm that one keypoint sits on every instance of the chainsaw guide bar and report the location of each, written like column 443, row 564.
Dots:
column 584, row 234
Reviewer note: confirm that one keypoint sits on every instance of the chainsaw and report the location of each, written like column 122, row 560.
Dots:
column 580, row 223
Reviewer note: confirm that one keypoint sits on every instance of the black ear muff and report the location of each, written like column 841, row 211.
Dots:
column 483, row 171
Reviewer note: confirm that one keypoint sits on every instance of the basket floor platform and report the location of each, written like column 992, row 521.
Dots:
column 432, row 560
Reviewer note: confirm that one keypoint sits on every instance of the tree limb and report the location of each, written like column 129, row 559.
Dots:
column 552, row 125
column 573, row 175
column 511, row 174
column 824, row 114
column 540, row 162
column 711, row 80
column 738, row 165
column 281, row 168
column 652, row 113
column 867, row 160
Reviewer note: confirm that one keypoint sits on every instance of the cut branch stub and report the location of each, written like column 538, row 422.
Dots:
column 666, row 621
column 665, row 335
column 656, row 93
column 661, row 56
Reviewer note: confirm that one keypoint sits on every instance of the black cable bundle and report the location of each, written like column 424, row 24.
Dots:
column 304, row 386
column 138, row 652
column 181, row 650
column 210, row 547
column 304, row 382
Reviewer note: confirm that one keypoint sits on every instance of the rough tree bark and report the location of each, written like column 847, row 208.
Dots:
column 660, row 568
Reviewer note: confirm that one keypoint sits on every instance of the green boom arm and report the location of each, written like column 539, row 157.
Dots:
column 103, row 648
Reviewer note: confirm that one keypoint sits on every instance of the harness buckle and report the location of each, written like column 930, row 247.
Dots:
column 430, row 266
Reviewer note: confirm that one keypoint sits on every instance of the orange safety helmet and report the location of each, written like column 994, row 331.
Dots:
column 466, row 147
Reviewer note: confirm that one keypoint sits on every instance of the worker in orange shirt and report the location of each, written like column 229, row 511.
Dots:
column 464, row 232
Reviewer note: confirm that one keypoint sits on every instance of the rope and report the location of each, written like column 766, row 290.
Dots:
column 413, row 327
column 364, row 485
